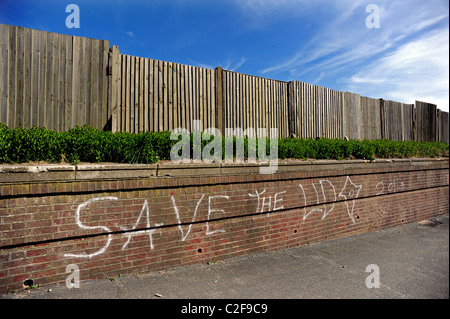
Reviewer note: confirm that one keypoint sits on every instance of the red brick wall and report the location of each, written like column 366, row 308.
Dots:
column 127, row 225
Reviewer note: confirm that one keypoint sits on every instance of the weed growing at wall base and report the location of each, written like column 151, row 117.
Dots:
column 86, row 144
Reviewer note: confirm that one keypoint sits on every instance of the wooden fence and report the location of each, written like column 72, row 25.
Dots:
column 52, row 80
column 152, row 95
column 59, row 81
column 398, row 119
column 254, row 102
column 315, row 111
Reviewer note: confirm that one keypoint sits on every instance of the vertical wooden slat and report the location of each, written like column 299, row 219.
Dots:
column 62, row 82
column 195, row 108
column 116, row 88
column 238, row 100
column 274, row 110
column 4, row 76
column 189, row 99
column 199, row 95
column 104, row 86
column 160, row 96
column 27, row 80
column 262, row 115
column 123, row 92
column 230, row 102
column 12, row 74
column 170, row 90
column 96, row 95
column 235, row 106
column 140, row 104
column 183, row 105
column 213, row 99
column 155, row 96
column 76, row 67
column 88, row 89
column 49, row 81
column 126, row 106
column 226, row 89
column 146, row 95
column 104, row 111
column 175, row 101
column 207, row 98
column 69, row 84
column 134, row 115
column 252, row 104
column 56, row 83
column 150, row 96
column 260, row 104
column 242, row 109
column 19, row 110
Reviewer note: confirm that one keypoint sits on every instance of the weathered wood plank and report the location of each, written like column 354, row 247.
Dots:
column 155, row 96
column 27, row 80
column 150, row 81
column 20, row 78
column 12, row 76
column 140, row 104
column 189, row 98
column 62, row 82
column 49, row 81
column 170, row 90
column 4, row 76
column 183, row 105
column 69, row 84
column 160, row 96
column 88, row 88
column 176, row 101
column 126, row 106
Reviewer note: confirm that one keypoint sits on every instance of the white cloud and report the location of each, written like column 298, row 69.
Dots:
column 418, row 70
column 130, row 33
column 406, row 59
column 230, row 64
column 237, row 65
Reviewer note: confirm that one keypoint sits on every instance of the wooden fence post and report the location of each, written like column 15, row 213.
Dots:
column 219, row 100
column 114, row 71
column 382, row 119
column 291, row 110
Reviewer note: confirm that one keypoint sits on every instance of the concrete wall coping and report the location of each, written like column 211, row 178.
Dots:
column 13, row 173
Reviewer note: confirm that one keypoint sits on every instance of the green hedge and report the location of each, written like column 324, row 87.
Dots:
column 85, row 144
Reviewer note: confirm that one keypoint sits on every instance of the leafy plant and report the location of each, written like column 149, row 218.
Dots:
column 86, row 144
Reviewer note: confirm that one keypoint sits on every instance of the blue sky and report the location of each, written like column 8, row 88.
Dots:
column 325, row 43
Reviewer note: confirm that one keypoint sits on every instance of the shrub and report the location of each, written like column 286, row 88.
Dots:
column 86, row 144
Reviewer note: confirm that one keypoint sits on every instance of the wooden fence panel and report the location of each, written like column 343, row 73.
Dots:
column 443, row 126
column 398, row 121
column 315, row 111
column 52, row 80
column 352, row 116
column 255, row 102
column 408, row 122
column 58, row 81
column 426, row 115
column 370, row 119
column 161, row 96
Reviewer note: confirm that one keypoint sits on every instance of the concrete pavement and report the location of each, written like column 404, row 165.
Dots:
column 413, row 262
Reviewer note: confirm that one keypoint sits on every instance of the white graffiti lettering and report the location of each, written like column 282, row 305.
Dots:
column 326, row 197
column 348, row 192
column 82, row 226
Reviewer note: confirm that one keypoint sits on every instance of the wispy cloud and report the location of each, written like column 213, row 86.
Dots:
column 233, row 66
column 405, row 59
column 201, row 65
column 418, row 70
column 130, row 33
column 228, row 64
